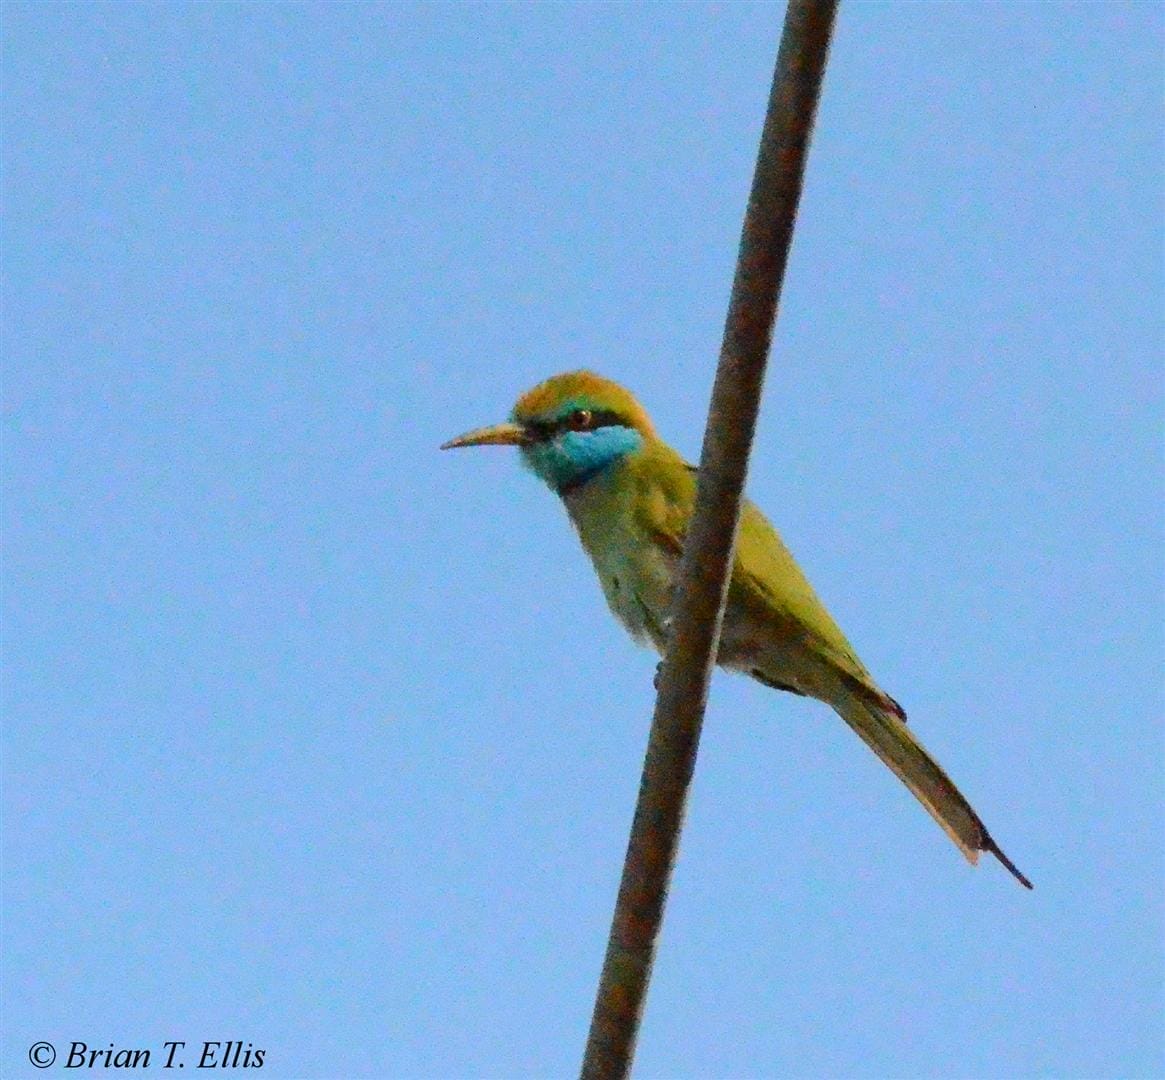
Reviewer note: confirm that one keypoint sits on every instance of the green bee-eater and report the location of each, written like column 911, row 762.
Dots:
column 631, row 496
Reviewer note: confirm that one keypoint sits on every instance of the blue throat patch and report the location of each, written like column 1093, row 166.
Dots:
column 572, row 458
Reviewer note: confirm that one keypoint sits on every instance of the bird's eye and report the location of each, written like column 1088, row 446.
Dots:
column 579, row 420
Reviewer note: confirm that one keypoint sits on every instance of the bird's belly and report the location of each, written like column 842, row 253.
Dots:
column 638, row 591
column 775, row 654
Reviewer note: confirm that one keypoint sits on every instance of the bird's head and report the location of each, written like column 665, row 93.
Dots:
column 569, row 428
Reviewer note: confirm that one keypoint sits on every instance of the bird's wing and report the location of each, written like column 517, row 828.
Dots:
column 769, row 581
column 768, row 585
column 766, row 580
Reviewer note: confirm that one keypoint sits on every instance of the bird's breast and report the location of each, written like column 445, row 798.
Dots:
column 635, row 574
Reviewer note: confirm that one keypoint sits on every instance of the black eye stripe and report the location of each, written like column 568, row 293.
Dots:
column 544, row 430
column 605, row 418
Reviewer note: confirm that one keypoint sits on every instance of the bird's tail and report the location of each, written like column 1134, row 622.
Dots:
column 880, row 722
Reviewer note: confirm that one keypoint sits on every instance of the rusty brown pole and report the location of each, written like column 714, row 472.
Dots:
column 702, row 585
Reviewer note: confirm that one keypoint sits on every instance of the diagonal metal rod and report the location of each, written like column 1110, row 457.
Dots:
column 702, row 584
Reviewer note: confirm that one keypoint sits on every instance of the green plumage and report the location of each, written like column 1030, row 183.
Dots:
column 631, row 497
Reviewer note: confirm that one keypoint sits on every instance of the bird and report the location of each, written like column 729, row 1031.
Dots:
column 630, row 497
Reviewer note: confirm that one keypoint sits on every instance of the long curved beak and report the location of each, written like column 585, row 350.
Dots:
column 498, row 435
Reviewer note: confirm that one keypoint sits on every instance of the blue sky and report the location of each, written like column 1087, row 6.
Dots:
column 321, row 740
